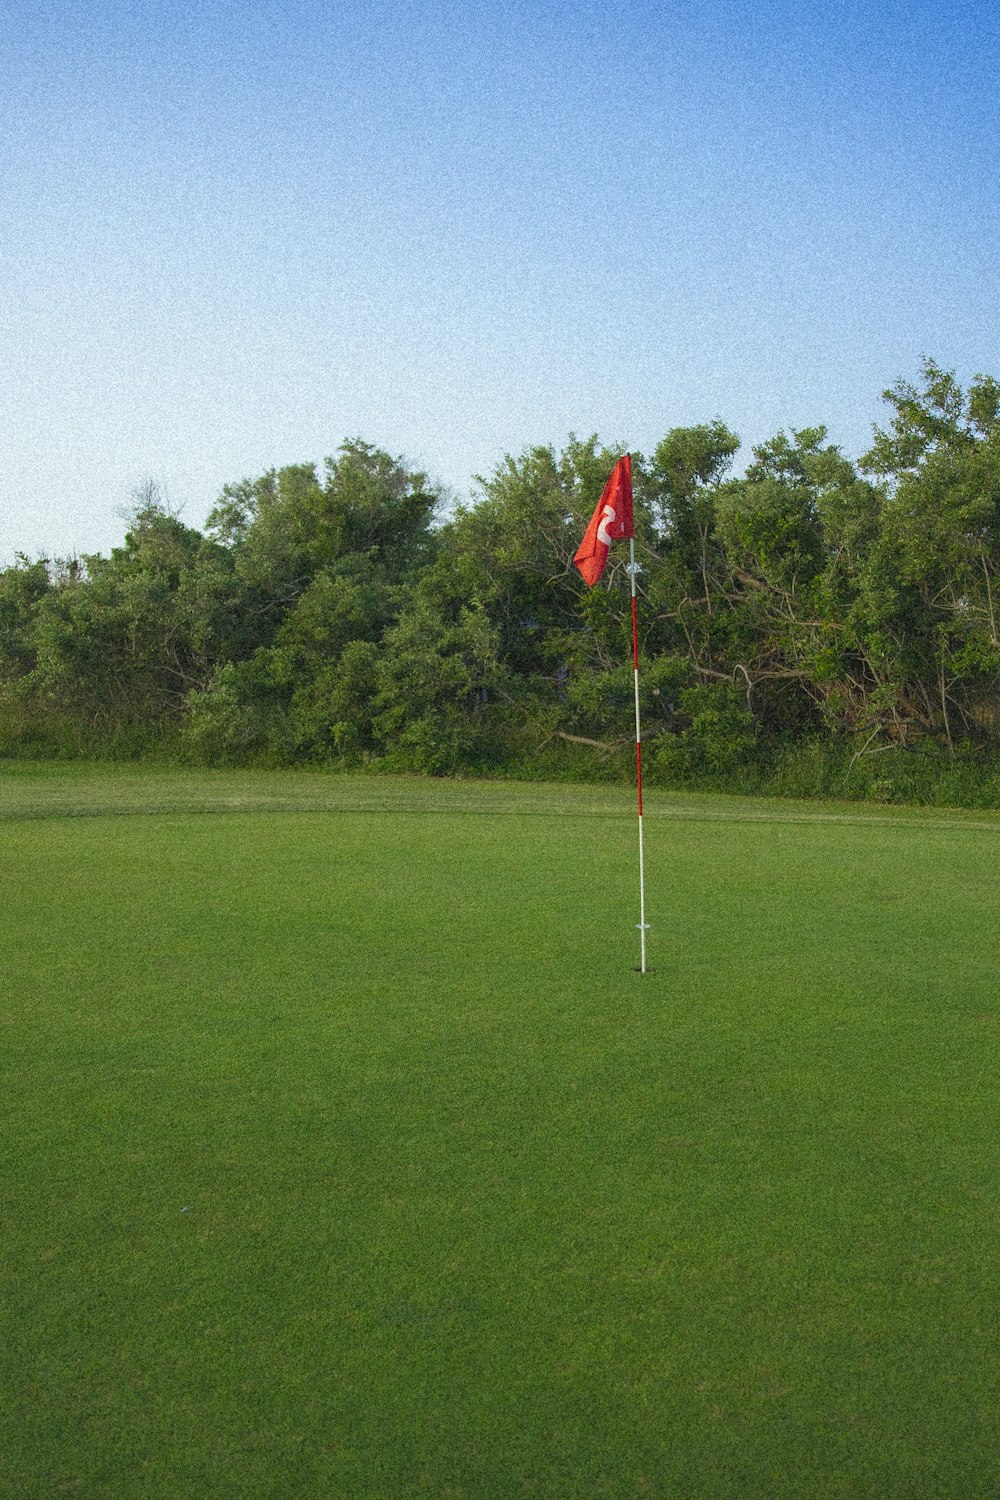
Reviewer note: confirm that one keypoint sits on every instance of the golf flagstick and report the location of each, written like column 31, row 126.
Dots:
column 613, row 519
column 643, row 924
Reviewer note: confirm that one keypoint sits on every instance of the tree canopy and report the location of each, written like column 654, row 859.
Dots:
column 334, row 613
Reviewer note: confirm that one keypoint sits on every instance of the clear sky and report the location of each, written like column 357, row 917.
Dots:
column 235, row 233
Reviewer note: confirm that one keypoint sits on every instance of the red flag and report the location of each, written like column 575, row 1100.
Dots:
column 611, row 519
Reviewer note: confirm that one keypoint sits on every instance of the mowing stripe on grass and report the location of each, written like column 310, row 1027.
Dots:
column 32, row 789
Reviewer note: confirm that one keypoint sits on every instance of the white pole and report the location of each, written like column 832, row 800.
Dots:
column 643, row 924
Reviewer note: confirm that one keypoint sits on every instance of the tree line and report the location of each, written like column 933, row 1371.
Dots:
column 814, row 610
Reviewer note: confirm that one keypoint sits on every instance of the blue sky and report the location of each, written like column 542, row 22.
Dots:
column 236, row 233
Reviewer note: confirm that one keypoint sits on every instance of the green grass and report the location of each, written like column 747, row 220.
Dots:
column 346, row 1155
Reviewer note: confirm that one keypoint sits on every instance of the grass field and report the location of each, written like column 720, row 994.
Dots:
column 346, row 1155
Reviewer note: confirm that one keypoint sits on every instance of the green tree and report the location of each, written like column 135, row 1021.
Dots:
column 118, row 640
column 933, row 589
column 290, row 523
column 434, row 684
column 23, row 587
column 324, row 564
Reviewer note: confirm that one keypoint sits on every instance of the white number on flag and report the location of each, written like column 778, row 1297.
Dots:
column 608, row 517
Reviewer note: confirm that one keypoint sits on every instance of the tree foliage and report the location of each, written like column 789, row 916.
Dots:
column 329, row 612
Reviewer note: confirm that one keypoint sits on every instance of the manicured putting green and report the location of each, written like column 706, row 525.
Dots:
column 346, row 1155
